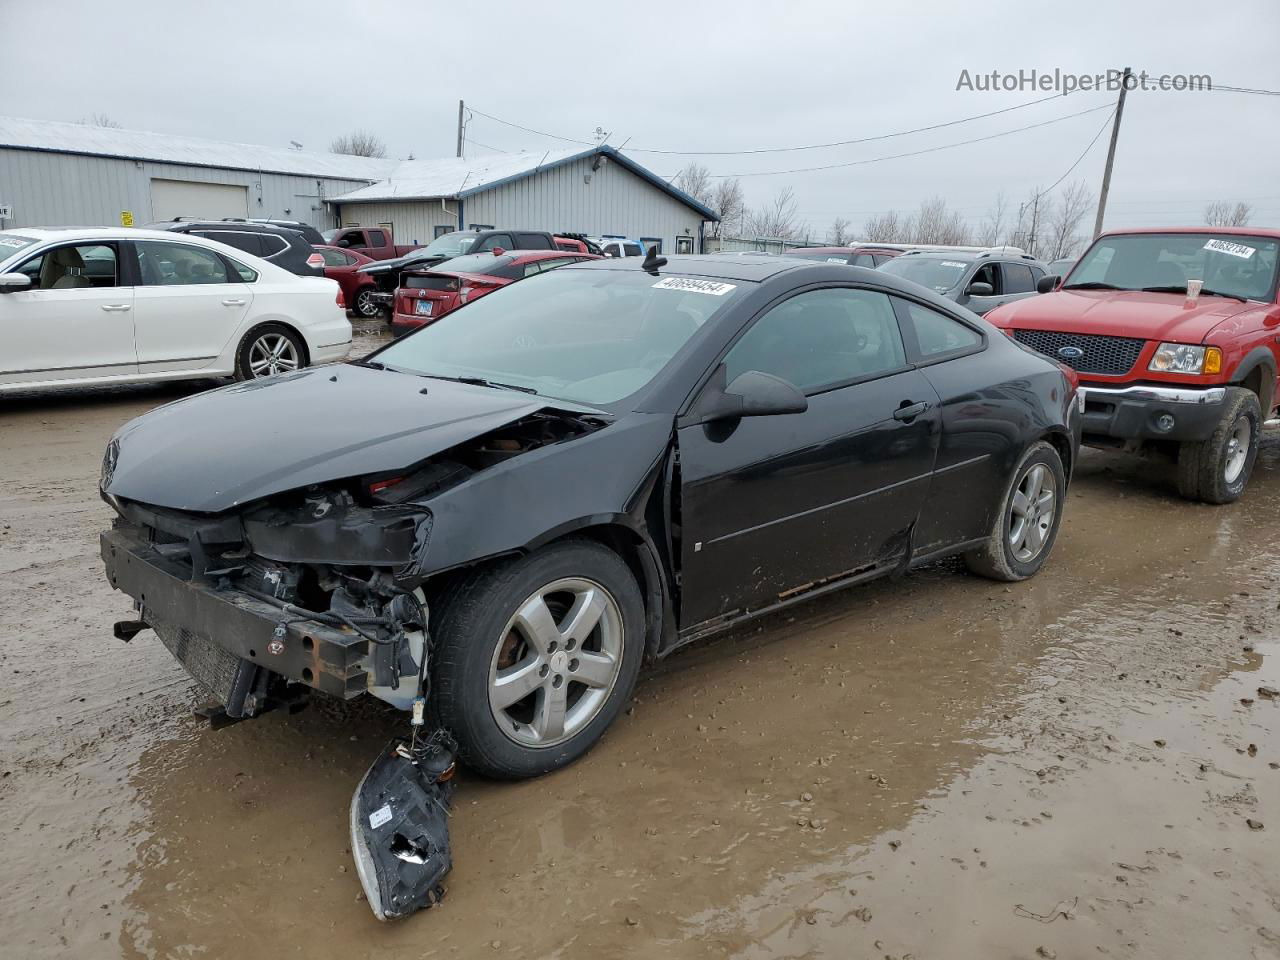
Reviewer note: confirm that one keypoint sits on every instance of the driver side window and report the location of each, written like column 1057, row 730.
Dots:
column 821, row 339
column 73, row 267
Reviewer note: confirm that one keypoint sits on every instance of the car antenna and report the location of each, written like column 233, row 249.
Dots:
column 653, row 260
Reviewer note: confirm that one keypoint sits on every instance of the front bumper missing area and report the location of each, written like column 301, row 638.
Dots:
column 1146, row 412
column 322, row 657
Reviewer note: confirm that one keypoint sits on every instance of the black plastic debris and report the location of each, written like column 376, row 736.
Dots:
column 400, row 825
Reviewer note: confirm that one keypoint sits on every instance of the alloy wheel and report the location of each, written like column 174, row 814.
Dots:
column 1032, row 512
column 556, row 662
column 272, row 353
column 1237, row 449
column 365, row 306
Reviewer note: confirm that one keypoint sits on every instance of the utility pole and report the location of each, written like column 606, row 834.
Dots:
column 1035, row 216
column 460, row 109
column 1111, row 153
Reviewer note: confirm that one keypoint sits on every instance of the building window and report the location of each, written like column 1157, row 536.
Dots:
column 652, row 243
column 441, row 229
column 684, row 244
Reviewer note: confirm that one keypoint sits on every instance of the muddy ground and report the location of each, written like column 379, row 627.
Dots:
column 937, row 767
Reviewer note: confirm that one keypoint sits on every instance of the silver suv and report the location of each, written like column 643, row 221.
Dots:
column 977, row 278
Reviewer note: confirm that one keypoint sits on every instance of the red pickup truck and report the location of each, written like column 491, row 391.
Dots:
column 376, row 243
column 1175, row 334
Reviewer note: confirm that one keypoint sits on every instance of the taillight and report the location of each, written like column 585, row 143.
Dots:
column 316, row 260
column 340, row 300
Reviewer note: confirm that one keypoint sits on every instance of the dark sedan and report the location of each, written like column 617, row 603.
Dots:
column 576, row 473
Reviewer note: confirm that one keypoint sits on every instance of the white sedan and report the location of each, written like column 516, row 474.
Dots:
column 100, row 305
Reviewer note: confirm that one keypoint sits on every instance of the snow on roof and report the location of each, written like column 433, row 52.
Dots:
column 428, row 179
column 84, row 138
column 458, row 177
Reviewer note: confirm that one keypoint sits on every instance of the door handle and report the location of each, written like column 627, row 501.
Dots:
column 116, row 307
column 908, row 411
column 233, row 303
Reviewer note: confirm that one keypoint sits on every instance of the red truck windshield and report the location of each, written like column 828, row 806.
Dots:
column 1229, row 265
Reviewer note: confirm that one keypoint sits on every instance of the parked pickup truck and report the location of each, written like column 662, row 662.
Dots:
column 1173, row 331
column 386, row 273
column 376, row 243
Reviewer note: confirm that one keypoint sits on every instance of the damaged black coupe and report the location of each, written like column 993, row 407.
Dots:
column 507, row 512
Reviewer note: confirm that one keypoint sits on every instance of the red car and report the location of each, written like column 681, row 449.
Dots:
column 341, row 265
column 1173, row 331
column 427, row 295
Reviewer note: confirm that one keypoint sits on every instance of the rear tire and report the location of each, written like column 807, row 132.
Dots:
column 269, row 349
column 1217, row 470
column 1027, row 520
column 488, row 650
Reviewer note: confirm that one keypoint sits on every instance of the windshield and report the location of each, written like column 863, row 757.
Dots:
column 11, row 243
column 448, row 245
column 936, row 273
column 1226, row 264
column 588, row 336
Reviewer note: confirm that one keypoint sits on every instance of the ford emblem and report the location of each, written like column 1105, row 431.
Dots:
column 1070, row 353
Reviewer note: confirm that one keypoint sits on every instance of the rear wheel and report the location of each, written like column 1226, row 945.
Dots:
column 364, row 305
column 1026, row 523
column 267, row 350
column 1217, row 470
column 535, row 658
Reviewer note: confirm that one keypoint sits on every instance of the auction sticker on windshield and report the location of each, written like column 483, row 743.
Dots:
column 954, row 263
column 712, row 287
column 14, row 241
column 1230, row 249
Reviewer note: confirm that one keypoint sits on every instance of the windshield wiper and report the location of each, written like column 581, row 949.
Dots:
column 1218, row 293
column 1092, row 285
column 482, row 382
column 1166, row 288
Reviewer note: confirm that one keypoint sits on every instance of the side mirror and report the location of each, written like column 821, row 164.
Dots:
column 1047, row 284
column 755, row 394
column 344, row 242
column 980, row 289
column 14, row 282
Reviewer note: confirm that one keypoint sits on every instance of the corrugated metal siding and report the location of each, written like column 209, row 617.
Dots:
column 59, row 189
column 615, row 201
column 412, row 221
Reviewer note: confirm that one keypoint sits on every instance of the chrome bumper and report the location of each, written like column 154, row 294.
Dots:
column 1159, row 394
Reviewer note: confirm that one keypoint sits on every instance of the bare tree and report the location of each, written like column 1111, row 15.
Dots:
column 885, row 227
column 727, row 201
column 778, row 218
column 101, row 120
column 1225, row 213
column 838, row 235
column 695, row 180
column 935, row 223
column 1063, row 221
column 991, row 232
column 359, row 143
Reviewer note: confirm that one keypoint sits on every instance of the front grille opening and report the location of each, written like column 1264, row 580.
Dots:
column 1085, row 352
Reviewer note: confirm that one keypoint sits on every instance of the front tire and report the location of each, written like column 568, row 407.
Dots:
column 1217, row 470
column 535, row 658
column 365, row 306
column 1026, row 523
column 269, row 349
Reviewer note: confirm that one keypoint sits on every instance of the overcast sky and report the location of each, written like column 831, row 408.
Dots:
column 695, row 76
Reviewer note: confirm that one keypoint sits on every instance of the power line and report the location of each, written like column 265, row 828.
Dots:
column 912, row 153
column 1082, row 155
column 1258, row 91
column 758, row 150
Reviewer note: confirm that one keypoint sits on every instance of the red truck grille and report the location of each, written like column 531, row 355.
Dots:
column 1085, row 352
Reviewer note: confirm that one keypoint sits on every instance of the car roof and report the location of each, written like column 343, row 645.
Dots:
column 1236, row 231
column 717, row 265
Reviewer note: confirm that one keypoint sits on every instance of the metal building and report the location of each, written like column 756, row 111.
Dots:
column 61, row 174
column 599, row 192
column 58, row 174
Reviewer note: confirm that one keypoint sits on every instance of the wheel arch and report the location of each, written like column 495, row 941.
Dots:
column 1060, row 440
column 1257, row 372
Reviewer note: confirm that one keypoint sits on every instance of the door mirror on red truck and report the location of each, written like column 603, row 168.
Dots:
column 344, row 242
column 1047, row 284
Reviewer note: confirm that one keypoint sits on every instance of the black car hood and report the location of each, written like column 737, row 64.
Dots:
column 399, row 263
column 227, row 447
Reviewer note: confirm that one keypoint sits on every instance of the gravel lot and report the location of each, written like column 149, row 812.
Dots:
column 1084, row 764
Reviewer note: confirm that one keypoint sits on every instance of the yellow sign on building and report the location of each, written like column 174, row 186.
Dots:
column 126, row 218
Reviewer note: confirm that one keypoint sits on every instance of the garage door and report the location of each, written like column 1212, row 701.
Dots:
column 206, row 201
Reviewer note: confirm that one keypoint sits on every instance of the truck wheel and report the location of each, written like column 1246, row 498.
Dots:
column 1027, row 520
column 1217, row 470
column 535, row 658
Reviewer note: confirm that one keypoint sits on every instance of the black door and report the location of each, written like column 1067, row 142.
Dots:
column 772, row 504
